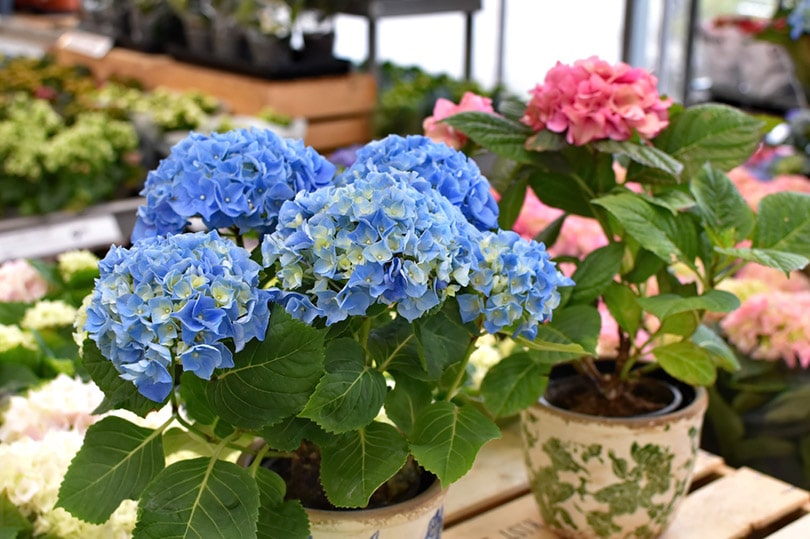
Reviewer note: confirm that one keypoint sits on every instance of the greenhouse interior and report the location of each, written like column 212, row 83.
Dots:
column 399, row 269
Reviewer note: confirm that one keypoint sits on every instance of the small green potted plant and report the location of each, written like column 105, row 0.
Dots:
column 342, row 340
column 597, row 141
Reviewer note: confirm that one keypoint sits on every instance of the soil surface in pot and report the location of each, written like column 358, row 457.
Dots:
column 301, row 473
column 611, row 398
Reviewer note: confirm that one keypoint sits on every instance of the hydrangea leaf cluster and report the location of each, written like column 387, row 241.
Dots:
column 516, row 285
column 437, row 166
column 175, row 300
column 238, row 179
column 377, row 240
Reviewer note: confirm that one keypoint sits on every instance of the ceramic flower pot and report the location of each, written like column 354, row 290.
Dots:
column 611, row 477
column 421, row 516
column 417, row 518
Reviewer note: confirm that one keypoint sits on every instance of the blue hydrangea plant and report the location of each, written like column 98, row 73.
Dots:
column 350, row 326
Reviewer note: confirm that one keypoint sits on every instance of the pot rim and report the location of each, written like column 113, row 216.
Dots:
column 434, row 491
column 697, row 406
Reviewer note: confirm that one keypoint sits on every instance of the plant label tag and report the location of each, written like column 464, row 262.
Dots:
column 54, row 238
column 86, row 43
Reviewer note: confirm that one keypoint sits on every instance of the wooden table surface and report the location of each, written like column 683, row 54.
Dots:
column 493, row 501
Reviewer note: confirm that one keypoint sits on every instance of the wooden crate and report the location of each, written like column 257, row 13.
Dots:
column 337, row 107
column 493, row 502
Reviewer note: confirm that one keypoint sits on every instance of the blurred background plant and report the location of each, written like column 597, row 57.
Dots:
column 38, row 304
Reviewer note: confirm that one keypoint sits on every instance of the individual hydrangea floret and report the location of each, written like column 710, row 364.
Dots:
column 236, row 179
column 437, row 166
column 593, row 100
column 515, row 285
column 175, row 300
column 378, row 240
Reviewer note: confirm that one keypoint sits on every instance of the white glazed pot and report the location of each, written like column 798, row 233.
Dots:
column 598, row 477
column 417, row 518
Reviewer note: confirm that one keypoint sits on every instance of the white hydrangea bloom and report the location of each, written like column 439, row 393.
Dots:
column 30, row 476
column 63, row 403
column 49, row 314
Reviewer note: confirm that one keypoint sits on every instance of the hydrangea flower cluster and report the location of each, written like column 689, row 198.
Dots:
column 235, row 179
column 178, row 298
column 378, row 239
column 20, row 281
column 593, row 100
column 515, row 284
column 437, row 166
column 799, row 19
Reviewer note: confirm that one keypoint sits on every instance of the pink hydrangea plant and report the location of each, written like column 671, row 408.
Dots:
column 773, row 326
column 592, row 100
column 20, row 281
column 754, row 189
column 441, row 132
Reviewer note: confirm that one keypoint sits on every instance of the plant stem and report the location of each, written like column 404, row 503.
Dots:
column 462, row 370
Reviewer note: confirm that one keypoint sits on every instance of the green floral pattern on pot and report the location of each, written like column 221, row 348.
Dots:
column 610, row 477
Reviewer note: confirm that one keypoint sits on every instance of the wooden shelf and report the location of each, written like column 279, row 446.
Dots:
column 337, row 107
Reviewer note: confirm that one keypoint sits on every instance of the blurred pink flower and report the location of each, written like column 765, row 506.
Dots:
column 444, row 108
column 578, row 237
column 19, row 281
column 774, row 278
column 593, row 100
column 774, row 326
column 753, row 189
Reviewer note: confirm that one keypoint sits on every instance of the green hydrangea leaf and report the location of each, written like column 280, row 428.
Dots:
column 272, row 379
column 287, row 435
column 115, row 462
column 784, row 223
column 500, row 135
column 350, row 394
column 781, row 260
column 718, row 134
column 200, row 497
column 620, row 301
column 648, row 156
column 687, row 362
column 665, row 305
column 358, row 462
column 446, row 439
column 596, row 272
column 514, row 383
column 13, row 523
column 403, row 403
column 721, row 353
column 643, row 222
column 728, row 219
column 278, row 518
column 394, row 345
column 511, row 203
column 443, row 338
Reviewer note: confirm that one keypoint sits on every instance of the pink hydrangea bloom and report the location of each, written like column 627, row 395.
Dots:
column 772, row 326
column 19, row 281
column 753, row 189
column 444, row 108
column 592, row 100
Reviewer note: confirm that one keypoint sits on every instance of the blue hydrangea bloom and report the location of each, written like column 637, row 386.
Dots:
column 175, row 300
column 799, row 19
column 235, row 179
column 377, row 240
column 438, row 166
column 514, row 287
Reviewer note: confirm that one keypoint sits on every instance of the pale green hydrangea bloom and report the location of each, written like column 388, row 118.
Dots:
column 13, row 336
column 73, row 262
column 49, row 314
